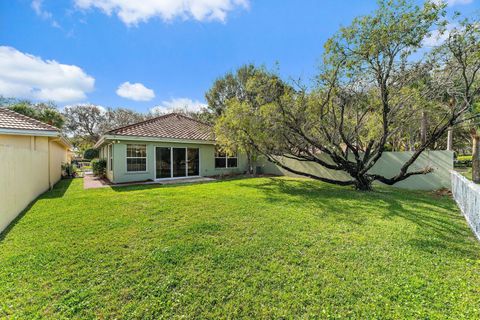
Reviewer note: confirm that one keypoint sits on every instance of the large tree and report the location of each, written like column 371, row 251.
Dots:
column 120, row 117
column 89, row 122
column 203, row 114
column 371, row 85
column 85, row 121
column 461, row 61
column 232, row 85
column 45, row 112
column 251, row 87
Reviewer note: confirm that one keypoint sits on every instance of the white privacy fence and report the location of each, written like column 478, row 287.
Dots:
column 441, row 161
column 467, row 195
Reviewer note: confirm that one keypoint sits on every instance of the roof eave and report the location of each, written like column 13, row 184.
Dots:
column 99, row 143
column 108, row 137
column 64, row 142
column 25, row 132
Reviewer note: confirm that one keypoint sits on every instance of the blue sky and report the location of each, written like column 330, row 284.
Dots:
column 169, row 51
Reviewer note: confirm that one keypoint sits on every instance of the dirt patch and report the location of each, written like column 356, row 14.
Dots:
column 444, row 192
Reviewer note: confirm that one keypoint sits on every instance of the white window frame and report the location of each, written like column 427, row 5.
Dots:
column 226, row 157
column 127, row 157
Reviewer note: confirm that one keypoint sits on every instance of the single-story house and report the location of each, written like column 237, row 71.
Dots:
column 171, row 146
column 31, row 158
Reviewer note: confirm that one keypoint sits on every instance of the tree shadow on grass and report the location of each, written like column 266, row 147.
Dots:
column 149, row 186
column 325, row 198
column 440, row 227
column 140, row 187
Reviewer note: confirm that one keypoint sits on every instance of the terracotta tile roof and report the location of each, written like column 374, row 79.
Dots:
column 173, row 126
column 12, row 120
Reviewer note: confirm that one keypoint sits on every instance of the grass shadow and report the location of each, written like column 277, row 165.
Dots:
column 423, row 209
column 140, row 187
column 57, row 191
column 149, row 186
column 17, row 219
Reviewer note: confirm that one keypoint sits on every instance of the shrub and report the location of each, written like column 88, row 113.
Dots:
column 90, row 154
column 99, row 167
column 464, row 158
column 463, row 161
column 69, row 170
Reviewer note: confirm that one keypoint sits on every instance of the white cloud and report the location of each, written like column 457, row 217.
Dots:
column 27, row 76
column 37, row 6
column 132, row 12
column 135, row 91
column 176, row 104
column 453, row 2
column 437, row 37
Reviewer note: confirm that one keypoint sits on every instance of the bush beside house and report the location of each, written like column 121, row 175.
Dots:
column 99, row 167
column 463, row 161
column 90, row 154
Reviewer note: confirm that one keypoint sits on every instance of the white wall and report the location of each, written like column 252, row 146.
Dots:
column 389, row 165
column 25, row 172
column 58, row 156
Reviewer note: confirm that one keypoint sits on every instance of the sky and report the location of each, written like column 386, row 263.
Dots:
column 161, row 53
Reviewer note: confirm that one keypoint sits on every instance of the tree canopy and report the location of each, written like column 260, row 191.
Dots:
column 45, row 112
column 372, row 91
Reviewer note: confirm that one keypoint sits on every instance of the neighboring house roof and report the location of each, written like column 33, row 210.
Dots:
column 13, row 120
column 15, row 123
column 169, row 126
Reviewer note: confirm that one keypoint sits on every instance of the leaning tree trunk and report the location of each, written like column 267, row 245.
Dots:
column 475, row 155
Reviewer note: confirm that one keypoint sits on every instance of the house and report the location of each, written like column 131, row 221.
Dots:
column 171, row 146
column 31, row 157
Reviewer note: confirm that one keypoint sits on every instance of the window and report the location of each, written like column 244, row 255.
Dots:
column 110, row 157
column 136, row 157
column 223, row 160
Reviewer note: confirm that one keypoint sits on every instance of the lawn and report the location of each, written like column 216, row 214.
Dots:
column 251, row 248
column 468, row 173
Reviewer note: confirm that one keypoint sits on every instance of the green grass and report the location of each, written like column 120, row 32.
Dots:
column 466, row 172
column 252, row 248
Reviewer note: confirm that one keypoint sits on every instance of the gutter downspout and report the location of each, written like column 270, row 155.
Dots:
column 49, row 166
column 113, row 160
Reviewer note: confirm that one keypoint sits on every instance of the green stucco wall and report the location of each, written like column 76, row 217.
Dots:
column 389, row 165
column 207, row 161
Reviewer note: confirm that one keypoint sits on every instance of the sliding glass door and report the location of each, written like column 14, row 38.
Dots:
column 176, row 162
column 163, row 163
column 179, row 162
column 193, row 162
